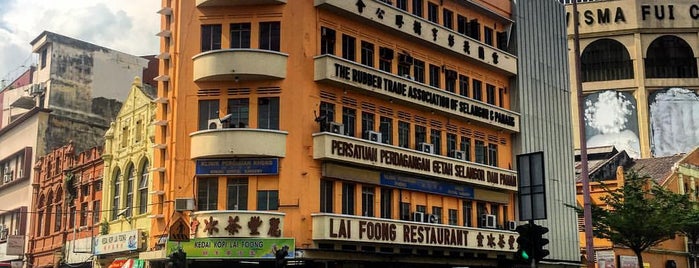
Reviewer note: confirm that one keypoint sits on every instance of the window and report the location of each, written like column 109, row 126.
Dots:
column 210, row 37
column 368, row 201
column 117, row 194
column 349, row 120
column 58, row 220
column 208, row 109
column 495, row 210
column 131, row 174
column 417, row 8
column 404, row 63
column 403, row 134
column 405, row 211
column 71, row 218
column 270, row 35
column 44, row 54
column 268, row 113
column 96, row 207
column 385, row 59
column 420, row 135
column 453, row 216
column 450, row 78
column 239, row 109
column 402, row 4
column 480, row 152
column 501, row 40
column 463, row 85
column 505, row 216
column 207, row 194
column 461, row 24
column 386, row 203
column 326, row 196
column 240, row 35
column 327, row 41
column 348, row 198
column 437, row 211
column 474, row 29
column 493, row 154
column 124, row 142
column 490, row 94
column 477, row 89
column 143, row 188
column 434, row 76
column 139, row 131
column 436, row 140
column 488, row 36
column 451, row 144
column 367, row 54
column 386, row 129
column 327, row 114
column 83, row 214
column 367, row 124
column 419, row 71
column 348, row 47
column 606, row 59
column 448, row 18
column 466, row 147
column 432, row 12
column 501, row 97
column 268, row 200
column 480, row 211
column 237, row 194
column 421, row 208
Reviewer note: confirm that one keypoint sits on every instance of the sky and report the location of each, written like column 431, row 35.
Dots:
column 128, row 26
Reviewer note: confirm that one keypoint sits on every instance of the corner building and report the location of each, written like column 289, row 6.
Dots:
column 356, row 133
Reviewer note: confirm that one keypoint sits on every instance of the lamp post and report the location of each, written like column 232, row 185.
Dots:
column 587, row 209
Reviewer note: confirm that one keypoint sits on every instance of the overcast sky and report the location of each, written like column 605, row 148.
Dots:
column 125, row 25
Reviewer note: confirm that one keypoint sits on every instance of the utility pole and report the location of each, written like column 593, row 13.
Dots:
column 587, row 209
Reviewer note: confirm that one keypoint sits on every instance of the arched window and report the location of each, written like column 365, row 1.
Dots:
column 47, row 216
column 40, row 215
column 58, row 217
column 604, row 60
column 117, row 193
column 143, row 188
column 670, row 57
column 131, row 175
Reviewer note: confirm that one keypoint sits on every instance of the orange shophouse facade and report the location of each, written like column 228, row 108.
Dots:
column 355, row 133
column 67, row 197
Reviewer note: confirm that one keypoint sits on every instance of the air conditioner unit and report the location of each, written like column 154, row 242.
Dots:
column 419, row 217
column 337, row 128
column 434, row 218
column 373, row 135
column 425, row 147
column 511, row 225
column 184, row 204
column 215, row 124
column 460, row 155
column 6, row 178
column 488, row 221
column 36, row 89
column 405, row 59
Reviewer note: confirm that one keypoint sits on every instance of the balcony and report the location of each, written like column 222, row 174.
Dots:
column 238, row 142
column 239, row 65
column 348, row 74
column 354, row 229
column 389, row 17
column 384, row 157
column 222, row 3
column 237, row 223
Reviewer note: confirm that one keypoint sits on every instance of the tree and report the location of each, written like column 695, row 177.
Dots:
column 640, row 214
column 690, row 229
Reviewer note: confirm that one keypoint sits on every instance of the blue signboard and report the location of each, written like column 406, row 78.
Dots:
column 237, row 166
column 430, row 186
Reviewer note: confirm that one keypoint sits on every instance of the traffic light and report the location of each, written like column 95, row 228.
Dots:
column 280, row 256
column 526, row 244
column 539, row 242
column 177, row 259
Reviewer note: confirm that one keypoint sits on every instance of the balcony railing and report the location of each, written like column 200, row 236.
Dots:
column 239, row 65
column 238, row 142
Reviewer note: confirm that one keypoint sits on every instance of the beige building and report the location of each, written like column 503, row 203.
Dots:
column 639, row 74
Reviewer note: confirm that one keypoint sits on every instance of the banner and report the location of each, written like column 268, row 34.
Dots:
column 238, row 248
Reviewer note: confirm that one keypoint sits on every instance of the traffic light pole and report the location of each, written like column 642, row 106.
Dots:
column 534, row 262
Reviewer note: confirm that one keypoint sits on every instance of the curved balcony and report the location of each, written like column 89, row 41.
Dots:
column 238, row 142
column 239, row 65
column 221, row 3
column 269, row 224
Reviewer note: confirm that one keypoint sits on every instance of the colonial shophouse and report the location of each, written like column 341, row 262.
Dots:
column 67, row 196
column 128, row 207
